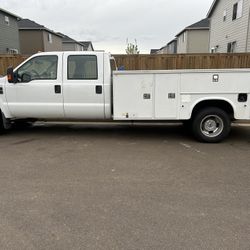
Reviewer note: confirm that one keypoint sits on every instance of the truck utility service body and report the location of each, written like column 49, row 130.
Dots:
column 83, row 86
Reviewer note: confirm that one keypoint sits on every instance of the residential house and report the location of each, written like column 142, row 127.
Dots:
column 163, row 50
column 153, row 51
column 35, row 37
column 229, row 28
column 172, row 47
column 9, row 35
column 169, row 48
column 69, row 44
column 194, row 38
column 87, row 45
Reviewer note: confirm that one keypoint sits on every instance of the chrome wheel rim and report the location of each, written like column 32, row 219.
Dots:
column 212, row 126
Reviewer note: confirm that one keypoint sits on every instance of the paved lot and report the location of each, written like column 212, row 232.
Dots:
column 123, row 187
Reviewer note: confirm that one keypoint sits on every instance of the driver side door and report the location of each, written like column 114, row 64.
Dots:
column 38, row 91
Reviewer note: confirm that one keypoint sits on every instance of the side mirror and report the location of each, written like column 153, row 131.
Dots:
column 10, row 75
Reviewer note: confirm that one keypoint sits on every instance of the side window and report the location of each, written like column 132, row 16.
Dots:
column 38, row 68
column 82, row 67
column 237, row 10
column 235, row 7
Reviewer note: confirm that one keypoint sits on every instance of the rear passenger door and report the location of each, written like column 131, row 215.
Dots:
column 83, row 86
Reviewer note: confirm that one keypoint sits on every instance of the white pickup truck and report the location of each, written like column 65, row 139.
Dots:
column 83, row 86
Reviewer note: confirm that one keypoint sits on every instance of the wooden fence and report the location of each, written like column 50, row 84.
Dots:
column 155, row 62
column 10, row 60
column 183, row 61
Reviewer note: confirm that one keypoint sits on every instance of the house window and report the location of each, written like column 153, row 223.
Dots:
column 231, row 47
column 7, row 20
column 237, row 10
column 224, row 16
column 184, row 37
column 50, row 38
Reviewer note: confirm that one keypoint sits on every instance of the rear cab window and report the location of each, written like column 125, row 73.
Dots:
column 82, row 67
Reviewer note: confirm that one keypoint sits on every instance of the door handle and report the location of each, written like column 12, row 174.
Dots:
column 98, row 89
column 58, row 89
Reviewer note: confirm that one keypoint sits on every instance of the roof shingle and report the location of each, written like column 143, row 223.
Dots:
column 27, row 24
column 201, row 25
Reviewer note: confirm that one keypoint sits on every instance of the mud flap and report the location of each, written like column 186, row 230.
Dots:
column 5, row 122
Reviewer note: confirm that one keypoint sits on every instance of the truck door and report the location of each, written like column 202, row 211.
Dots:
column 83, row 86
column 37, row 94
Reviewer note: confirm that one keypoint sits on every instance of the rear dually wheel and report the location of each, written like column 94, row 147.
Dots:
column 211, row 125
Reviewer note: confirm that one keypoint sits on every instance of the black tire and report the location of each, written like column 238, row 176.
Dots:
column 211, row 125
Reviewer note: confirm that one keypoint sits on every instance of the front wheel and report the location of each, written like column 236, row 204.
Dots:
column 211, row 125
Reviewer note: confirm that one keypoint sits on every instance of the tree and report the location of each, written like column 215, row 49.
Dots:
column 132, row 49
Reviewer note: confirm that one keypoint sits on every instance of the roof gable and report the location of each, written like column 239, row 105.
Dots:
column 203, row 24
column 211, row 10
column 172, row 41
column 10, row 14
column 86, row 44
column 67, row 39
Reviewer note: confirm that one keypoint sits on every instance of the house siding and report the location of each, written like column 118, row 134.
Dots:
column 68, row 47
column 198, row 41
column 172, row 48
column 162, row 50
column 89, row 48
column 31, row 41
column 248, row 31
column 224, row 32
column 79, row 47
column 56, row 44
column 182, row 44
column 72, row 47
column 9, row 36
column 195, row 41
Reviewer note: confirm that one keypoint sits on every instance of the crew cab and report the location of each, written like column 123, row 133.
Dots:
column 83, row 86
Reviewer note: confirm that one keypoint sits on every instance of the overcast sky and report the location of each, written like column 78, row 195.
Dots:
column 109, row 23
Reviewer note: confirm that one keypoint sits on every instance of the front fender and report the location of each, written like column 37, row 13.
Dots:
column 3, row 101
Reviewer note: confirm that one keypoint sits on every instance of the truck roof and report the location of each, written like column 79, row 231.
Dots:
column 73, row 52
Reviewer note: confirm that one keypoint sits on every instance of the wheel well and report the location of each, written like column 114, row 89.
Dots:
column 224, row 105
